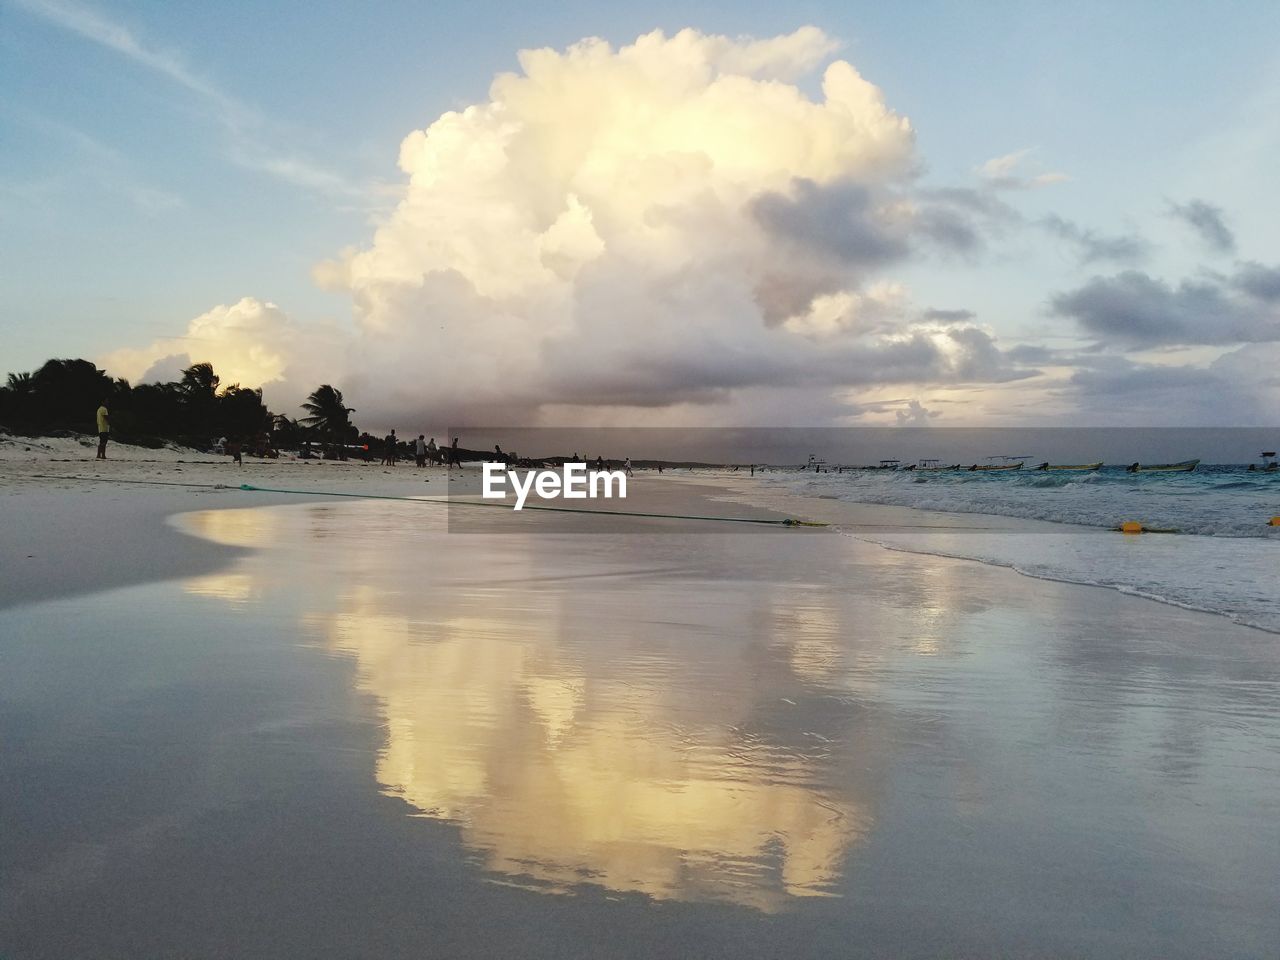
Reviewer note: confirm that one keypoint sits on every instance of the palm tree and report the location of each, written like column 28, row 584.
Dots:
column 328, row 413
column 21, row 384
column 199, row 387
column 199, row 380
column 17, row 400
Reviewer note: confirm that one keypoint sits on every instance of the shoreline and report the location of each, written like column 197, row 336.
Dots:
column 118, row 522
column 856, row 519
column 124, row 536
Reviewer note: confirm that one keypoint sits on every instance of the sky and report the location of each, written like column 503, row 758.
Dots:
column 694, row 213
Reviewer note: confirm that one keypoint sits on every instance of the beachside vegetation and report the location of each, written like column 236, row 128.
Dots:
column 196, row 410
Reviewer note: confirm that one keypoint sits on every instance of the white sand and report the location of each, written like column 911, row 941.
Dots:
column 73, row 524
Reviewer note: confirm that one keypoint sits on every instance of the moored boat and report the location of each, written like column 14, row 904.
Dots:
column 1269, row 464
column 1074, row 466
column 1186, row 466
column 999, row 463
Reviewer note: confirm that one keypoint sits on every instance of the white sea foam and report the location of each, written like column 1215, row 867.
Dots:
column 1227, row 561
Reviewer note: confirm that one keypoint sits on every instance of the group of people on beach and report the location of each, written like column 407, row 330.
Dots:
column 424, row 450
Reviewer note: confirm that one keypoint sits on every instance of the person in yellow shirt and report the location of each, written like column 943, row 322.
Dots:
column 104, row 429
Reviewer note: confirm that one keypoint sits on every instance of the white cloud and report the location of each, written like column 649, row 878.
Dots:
column 1002, row 172
column 588, row 229
column 251, row 343
column 845, row 311
column 591, row 236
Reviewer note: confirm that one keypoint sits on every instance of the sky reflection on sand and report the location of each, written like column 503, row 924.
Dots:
column 367, row 738
column 774, row 721
column 627, row 735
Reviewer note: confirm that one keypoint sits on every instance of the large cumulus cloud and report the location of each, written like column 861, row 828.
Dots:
column 673, row 222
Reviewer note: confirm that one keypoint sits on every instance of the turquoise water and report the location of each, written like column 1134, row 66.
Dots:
column 1219, row 501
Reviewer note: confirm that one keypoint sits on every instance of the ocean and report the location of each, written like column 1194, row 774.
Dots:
column 1225, row 558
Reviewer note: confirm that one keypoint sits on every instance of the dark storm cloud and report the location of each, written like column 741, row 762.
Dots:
column 964, row 355
column 1031, row 354
column 855, row 227
column 783, row 295
column 1121, row 378
column 1208, row 223
column 1132, row 309
column 949, row 228
column 1233, row 390
column 842, row 221
column 1258, row 281
column 1092, row 246
column 959, row 219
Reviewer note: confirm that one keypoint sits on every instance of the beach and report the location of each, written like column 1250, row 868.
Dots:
column 306, row 724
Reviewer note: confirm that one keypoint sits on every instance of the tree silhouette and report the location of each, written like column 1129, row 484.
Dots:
column 328, row 414
column 199, row 381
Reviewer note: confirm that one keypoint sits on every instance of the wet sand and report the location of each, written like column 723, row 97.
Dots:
column 353, row 733
column 74, row 525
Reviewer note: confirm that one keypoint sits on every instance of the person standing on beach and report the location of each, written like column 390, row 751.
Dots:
column 627, row 467
column 453, row 455
column 389, row 451
column 420, row 449
column 431, row 450
column 104, row 429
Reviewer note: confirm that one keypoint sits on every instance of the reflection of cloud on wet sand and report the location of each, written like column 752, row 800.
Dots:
column 235, row 527
column 561, row 776
column 232, row 587
column 645, row 722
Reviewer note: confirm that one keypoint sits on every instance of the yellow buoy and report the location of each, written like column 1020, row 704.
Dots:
column 1131, row 526
column 1275, row 522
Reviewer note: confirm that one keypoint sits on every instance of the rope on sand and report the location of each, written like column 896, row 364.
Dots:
column 250, row 488
column 788, row 522
column 153, row 483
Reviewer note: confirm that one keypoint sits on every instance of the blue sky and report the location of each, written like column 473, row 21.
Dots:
column 231, row 147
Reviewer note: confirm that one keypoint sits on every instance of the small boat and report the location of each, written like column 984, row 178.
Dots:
column 888, row 465
column 1186, row 466
column 1269, row 464
column 1004, row 463
column 933, row 465
column 1075, row 466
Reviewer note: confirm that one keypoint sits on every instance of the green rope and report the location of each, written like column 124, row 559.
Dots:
column 502, row 506
column 151, row 483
